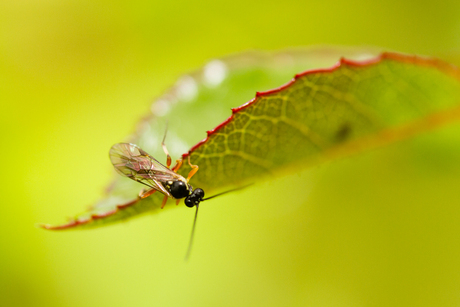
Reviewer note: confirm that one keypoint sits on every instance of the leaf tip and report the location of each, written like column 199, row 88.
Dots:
column 44, row 226
column 71, row 224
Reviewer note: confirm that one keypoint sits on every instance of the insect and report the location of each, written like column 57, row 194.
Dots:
column 131, row 161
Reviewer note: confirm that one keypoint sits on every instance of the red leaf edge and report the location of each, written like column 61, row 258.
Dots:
column 447, row 68
column 75, row 222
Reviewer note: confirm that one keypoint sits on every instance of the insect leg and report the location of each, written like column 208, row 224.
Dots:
column 177, row 202
column 193, row 171
column 143, row 193
column 163, row 204
column 177, row 166
column 168, row 157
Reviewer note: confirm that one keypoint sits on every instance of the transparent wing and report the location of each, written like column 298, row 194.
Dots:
column 131, row 161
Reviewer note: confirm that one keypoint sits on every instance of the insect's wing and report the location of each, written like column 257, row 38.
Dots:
column 131, row 161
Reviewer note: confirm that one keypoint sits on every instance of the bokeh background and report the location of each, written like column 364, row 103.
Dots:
column 379, row 229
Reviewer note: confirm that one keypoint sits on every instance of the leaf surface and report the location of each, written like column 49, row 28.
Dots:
column 319, row 115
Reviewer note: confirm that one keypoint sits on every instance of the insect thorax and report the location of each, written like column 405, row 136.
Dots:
column 177, row 188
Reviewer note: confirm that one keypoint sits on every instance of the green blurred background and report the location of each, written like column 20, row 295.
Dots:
column 379, row 229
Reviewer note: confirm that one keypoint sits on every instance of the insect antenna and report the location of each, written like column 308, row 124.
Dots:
column 228, row 191
column 187, row 256
column 189, row 249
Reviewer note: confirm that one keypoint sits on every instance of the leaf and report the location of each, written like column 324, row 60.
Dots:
column 319, row 115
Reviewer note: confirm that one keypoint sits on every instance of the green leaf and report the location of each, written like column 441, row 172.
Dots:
column 319, row 115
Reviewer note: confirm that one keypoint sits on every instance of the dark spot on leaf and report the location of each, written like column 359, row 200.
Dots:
column 343, row 132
